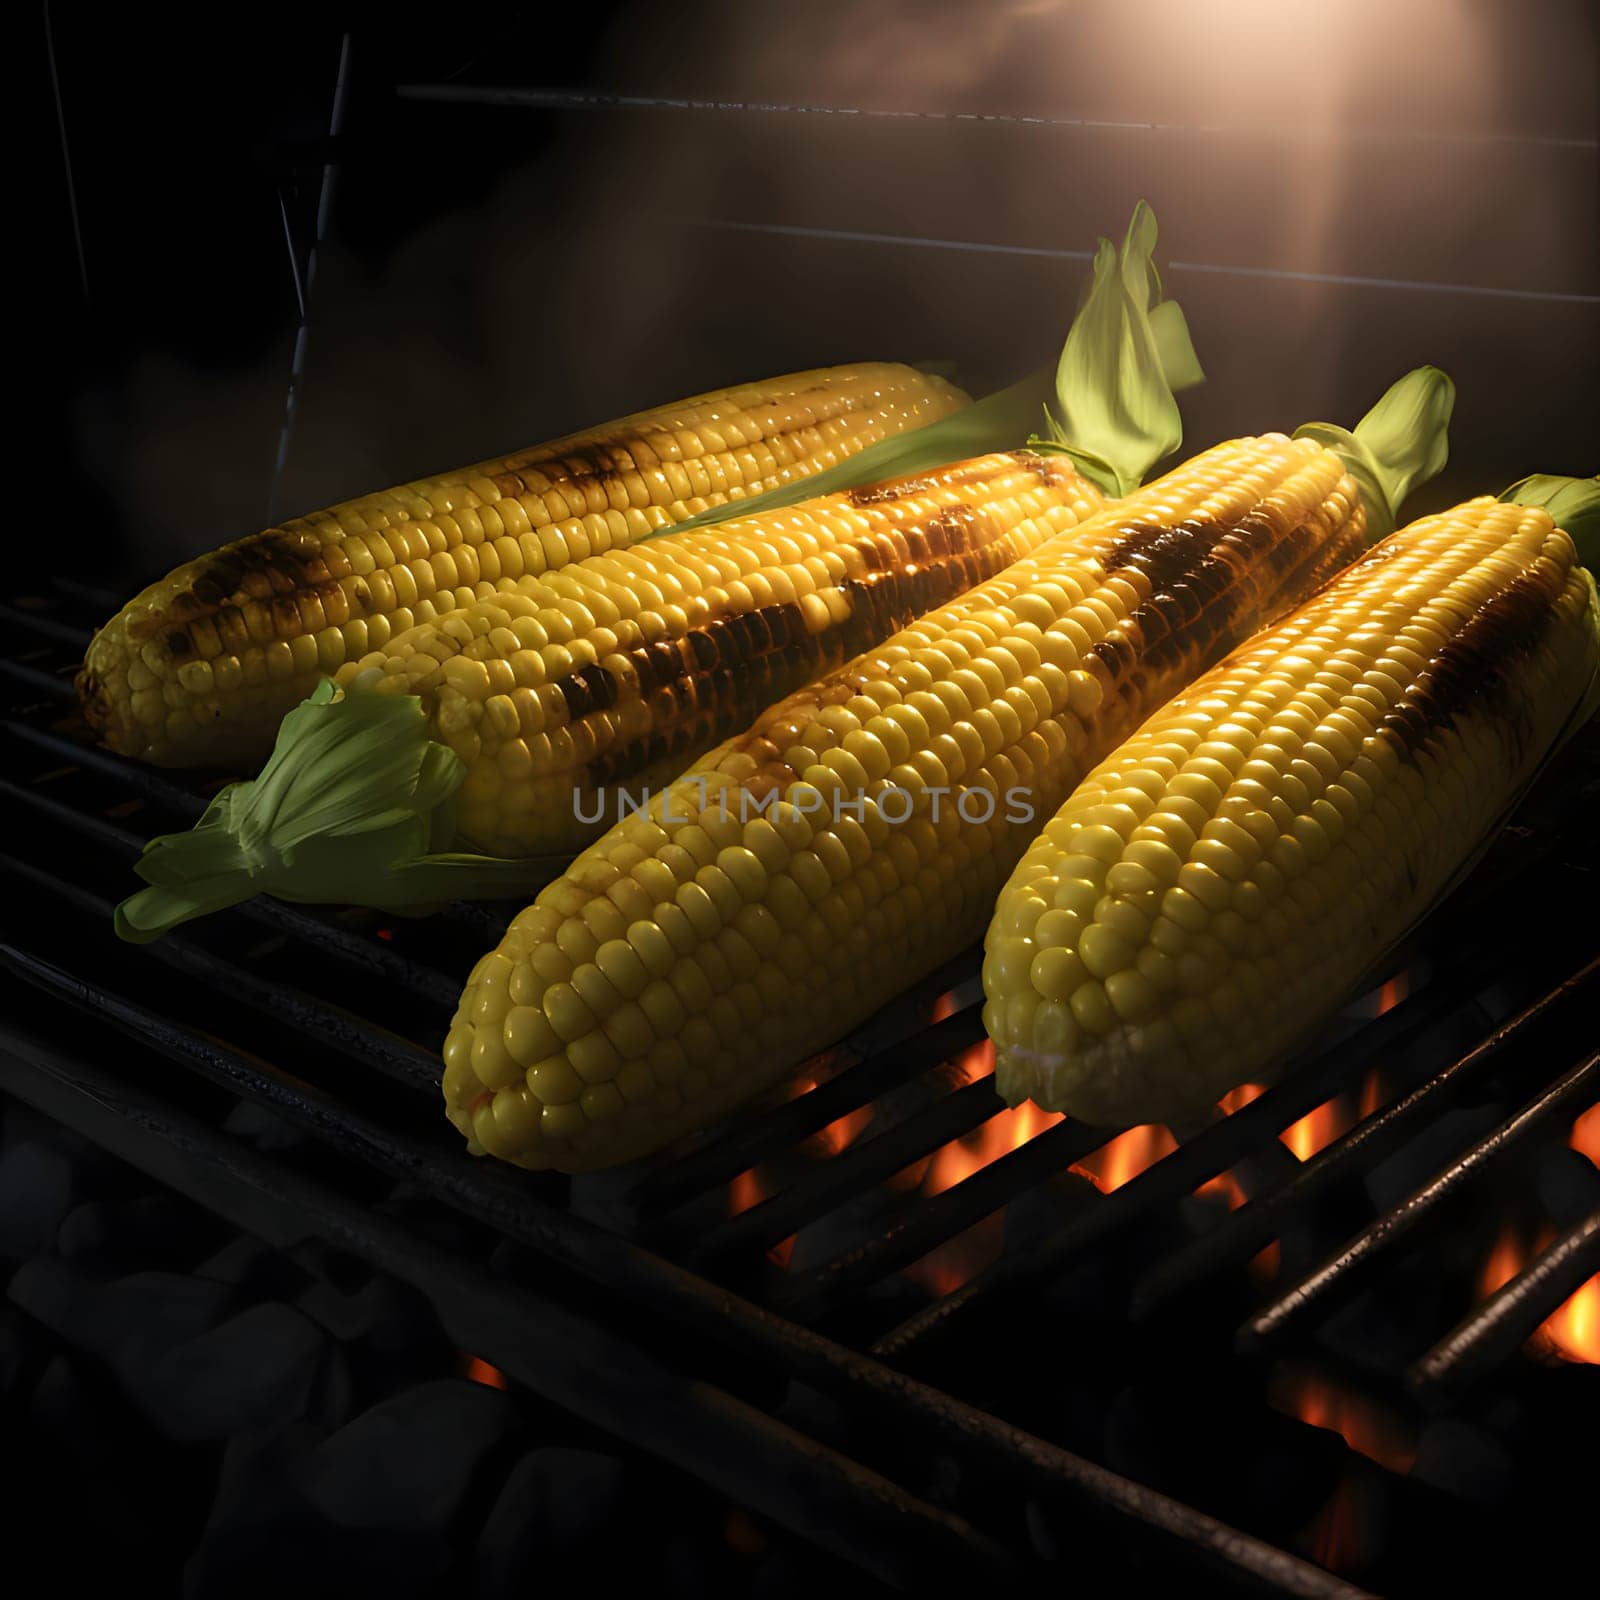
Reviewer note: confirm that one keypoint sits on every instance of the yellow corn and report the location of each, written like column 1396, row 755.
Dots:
column 199, row 668
column 696, row 954
column 1212, row 891
column 607, row 678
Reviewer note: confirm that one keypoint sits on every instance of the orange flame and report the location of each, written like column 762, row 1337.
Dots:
column 1586, row 1134
column 1572, row 1331
column 476, row 1371
column 999, row 1136
column 1317, row 1129
column 1365, row 1426
column 1125, row 1157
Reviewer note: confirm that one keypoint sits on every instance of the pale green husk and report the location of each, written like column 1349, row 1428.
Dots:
column 350, row 809
column 355, row 804
column 1574, row 503
column 1401, row 442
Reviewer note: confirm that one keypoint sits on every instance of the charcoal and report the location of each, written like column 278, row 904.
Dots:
column 1465, row 1460
column 149, row 1230
column 817, row 1415
column 13, row 1349
column 194, row 1372
column 1569, row 1186
column 258, row 1366
column 264, row 1538
column 409, row 1462
column 38, row 1188
column 252, row 1267
column 376, row 1305
column 142, row 1314
column 1435, row 1147
column 264, row 1129
column 556, row 1504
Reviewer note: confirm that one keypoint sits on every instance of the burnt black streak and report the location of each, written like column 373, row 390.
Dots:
column 1474, row 667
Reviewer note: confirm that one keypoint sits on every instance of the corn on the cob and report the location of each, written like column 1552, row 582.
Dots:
column 611, row 676
column 697, row 953
column 199, row 668
column 1212, row 891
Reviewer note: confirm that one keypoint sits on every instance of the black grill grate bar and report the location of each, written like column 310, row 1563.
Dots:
column 1344, row 1271
column 1242, row 1233
column 1494, row 1331
column 501, row 1198
column 397, row 1058
column 148, row 783
column 42, row 626
column 855, row 1082
column 851, row 1172
column 1306, row 1085
column 938, row 1218
column 369, row 955
column 568, row 1356
column 35, row 681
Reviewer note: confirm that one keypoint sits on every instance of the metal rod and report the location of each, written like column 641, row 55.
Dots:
column 830, row 1183
column 66, row 152
column 1339, row 279
column 1244, row 1232
column 504, row 1199
column 1344, row 1271
column 1498, row 1328
column 937, row 1219
column 397, row 1058
column 368, row 955
column 44, row 627
column 599, row 100
column 144, row 781
column 569, row 1358
column 48, row 684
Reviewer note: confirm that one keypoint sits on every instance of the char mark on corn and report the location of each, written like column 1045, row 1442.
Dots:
column 1212, row 891
column 806, row 870
column 198, row 669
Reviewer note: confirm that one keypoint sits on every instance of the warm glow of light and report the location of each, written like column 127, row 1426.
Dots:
column 1393, row 992
column 1317, row 1129
column 959, row 1260
column 839, row 1134
column 1586, row 1134
column 1225, row 1185
column 1126, row 1156
column 1372, row 1095
column 1238, row 1099
column 1000, row 1135
column 1366, row 1426
column 481, row 1372
column 1572, row 1331
column 744, row 1192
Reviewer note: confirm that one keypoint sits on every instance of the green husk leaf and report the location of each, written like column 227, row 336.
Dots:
column 1400, row 444
column 1574, row 503
column 353, row 807
column 1127, row 353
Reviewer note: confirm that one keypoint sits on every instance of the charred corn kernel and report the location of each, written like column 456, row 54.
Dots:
column 268, row 613
column 638, row 699
column 1409, row 768
column 890, row 879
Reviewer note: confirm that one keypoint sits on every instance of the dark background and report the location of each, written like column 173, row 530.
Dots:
column 497, row 273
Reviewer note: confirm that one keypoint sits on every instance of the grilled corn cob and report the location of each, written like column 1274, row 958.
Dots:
column 1212, row 891
column 611, row 676
column 697, row 953
column 199, row 668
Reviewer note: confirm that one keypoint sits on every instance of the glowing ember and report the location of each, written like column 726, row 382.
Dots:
column 1317, row 1129
column 1586, row 1134
column 1572, row 1331
column 840, row 1134
column 1000, row 1135
column 1393, row 992
column 477, row 1371
column 1365, row 1426
column 1126, row 1156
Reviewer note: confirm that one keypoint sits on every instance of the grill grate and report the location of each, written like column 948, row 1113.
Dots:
column 656, row 1274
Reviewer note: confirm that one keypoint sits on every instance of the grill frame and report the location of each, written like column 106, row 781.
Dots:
column 694, row 1278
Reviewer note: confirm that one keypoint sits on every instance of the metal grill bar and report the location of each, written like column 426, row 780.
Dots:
column 75, row 639
column 36, row 681
column 1497, row 1328
column 939, row 1218
column 1242, row 1233
column 503, row 1198
column 145, row 781
column 572, row 1359
column 1345, row 1271
column 368, row 955
column 406, row 1063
